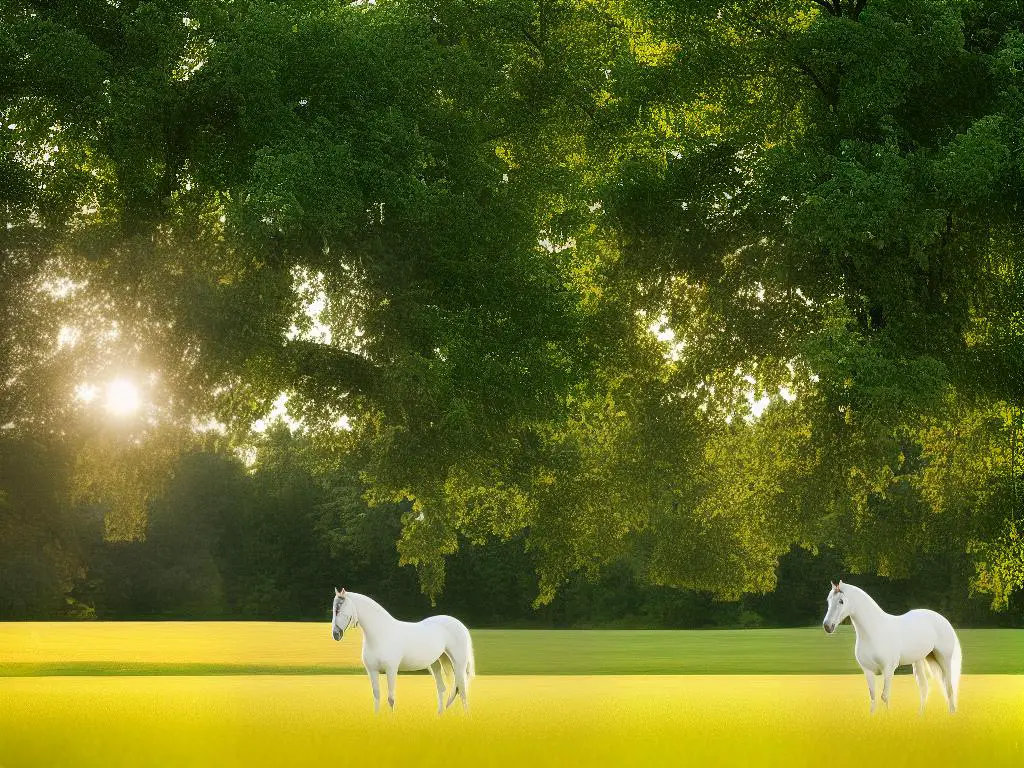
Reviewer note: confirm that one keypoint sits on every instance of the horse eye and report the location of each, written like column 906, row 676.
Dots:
column 841, row 601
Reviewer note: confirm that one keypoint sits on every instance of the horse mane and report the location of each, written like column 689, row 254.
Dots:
column 363, row 602
column 860, row 595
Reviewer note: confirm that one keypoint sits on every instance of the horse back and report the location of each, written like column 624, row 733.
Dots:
column 457, row 638
column 451, row 626
column 923, row 621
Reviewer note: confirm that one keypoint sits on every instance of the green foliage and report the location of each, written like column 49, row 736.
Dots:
column 497, row 206
column 40, row 560
column 230, row 544
column 1000, row 565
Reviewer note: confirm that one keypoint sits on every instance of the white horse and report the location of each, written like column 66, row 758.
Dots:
column 920, row 637
column 390, row 645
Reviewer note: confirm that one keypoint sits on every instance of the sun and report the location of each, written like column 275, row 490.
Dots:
column 122, row 397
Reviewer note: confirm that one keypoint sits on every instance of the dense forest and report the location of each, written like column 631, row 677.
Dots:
column 549, row 311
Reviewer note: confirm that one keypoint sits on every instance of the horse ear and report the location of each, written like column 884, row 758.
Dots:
column 343, row 592
column 336, row 592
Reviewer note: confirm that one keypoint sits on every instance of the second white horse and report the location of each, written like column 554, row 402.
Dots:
column 922, row 638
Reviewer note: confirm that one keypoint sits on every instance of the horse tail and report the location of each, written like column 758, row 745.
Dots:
column 951, row 661
column 955, row 663
column 460, row 645
column 470, row 658
column 459, row 649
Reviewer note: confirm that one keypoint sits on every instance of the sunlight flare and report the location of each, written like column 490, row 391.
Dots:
column 87, row 393
column 122, row 397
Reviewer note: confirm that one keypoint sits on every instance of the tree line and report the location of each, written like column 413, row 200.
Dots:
column 228, row 542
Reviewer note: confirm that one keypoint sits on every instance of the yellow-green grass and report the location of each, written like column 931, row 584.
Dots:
column 521, row 720
column 93, row 648
column 171, row 647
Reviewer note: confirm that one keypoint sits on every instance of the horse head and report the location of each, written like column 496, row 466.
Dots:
column 343, row 613
column 839, row 607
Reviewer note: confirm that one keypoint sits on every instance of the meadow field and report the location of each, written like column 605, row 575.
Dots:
column 96, row 694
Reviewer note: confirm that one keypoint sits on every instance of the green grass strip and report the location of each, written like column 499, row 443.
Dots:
column 611, row 652
column 805, row 651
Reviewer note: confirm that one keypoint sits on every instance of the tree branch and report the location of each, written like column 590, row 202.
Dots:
column 819, row 84
column 831, row 10
column 835, row 8
column 324, row 369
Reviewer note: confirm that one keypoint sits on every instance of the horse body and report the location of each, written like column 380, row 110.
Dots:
column 438, row 643
column 921, row 638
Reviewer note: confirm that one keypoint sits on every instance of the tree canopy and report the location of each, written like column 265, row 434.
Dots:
column 685, row 282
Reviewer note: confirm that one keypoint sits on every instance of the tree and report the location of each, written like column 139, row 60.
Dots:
column 538, row 254
column 855, row 167
column 40, row 558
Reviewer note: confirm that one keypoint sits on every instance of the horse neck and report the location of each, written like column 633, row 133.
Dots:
column 867, row 615
column 370, row 614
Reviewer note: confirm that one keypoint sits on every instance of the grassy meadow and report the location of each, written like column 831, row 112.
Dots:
column 514, row 720
column 254, row 694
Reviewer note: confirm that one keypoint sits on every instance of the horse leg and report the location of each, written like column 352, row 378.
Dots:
column 870, row 677
column 459, row 669
column 887, row 684
column 462, row 683
column 437, row 671
column 375, row 684
column 921, row 674
column 454, row 665
column 392, row 673
column 447, row 667
column 942, row 662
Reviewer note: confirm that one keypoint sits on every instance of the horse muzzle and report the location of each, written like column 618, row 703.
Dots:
column 829, row 628
column 337, row 633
